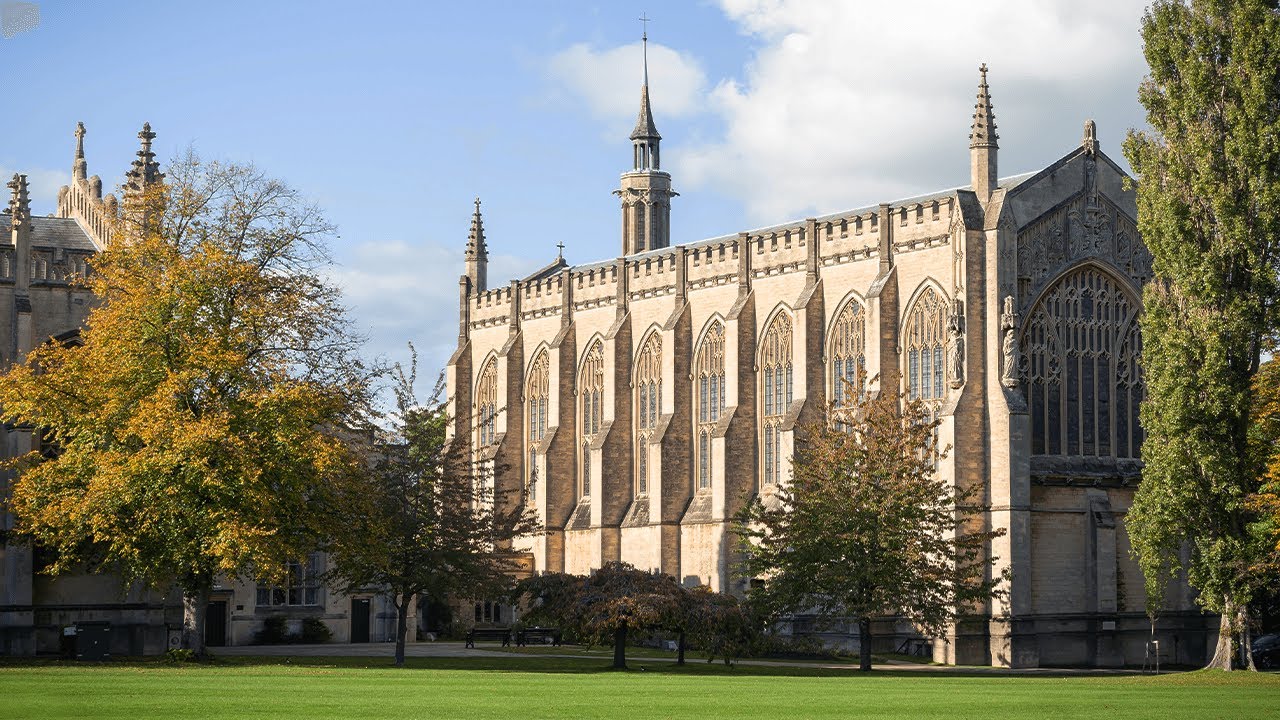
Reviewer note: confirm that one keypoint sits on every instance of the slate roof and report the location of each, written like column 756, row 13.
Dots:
column 48, row 232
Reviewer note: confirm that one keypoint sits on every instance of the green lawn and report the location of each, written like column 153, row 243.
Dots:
column 536, row 687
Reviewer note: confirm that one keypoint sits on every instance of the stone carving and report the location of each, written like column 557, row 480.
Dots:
column 955, row 346
column 1012, row 356
column 1086, row 226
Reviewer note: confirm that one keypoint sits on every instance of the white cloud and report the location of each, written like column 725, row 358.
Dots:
column 609, row 80
column 402, row 292
column 42, row 186
column 846, row 104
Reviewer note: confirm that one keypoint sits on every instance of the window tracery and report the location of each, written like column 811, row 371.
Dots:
column 648, row 394
column 1080, row 349
column 591, row 399
column 777, row 392
column 924, row 348
column 487, row 405
column 536, row 399
column 848, row 354
column 709, row 376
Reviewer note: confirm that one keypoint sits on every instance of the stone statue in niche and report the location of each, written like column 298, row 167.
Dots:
column 955, row 348
column 1012, row 359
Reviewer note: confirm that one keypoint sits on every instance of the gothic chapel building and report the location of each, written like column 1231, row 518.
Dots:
column 638, row 403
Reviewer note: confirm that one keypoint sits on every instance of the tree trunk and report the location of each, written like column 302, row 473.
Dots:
column 864, row 644
column 402, row 626
column 680, row 649
column 1233, row 650
column 195, row 606
column 620, row 648
column 1223, row 654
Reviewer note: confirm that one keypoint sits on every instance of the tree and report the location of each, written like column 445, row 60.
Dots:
column 866, row 528
column 606, row 605
column 428, row 521
column 195, row 432
column 1209, row 211
column 1265, row 440
column 718, row 623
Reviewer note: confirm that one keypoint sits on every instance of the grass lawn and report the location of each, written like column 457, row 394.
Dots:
column 540, row 687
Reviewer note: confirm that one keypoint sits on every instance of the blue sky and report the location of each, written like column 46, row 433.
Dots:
column 394, row 115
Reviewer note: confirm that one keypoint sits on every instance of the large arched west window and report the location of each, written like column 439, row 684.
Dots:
column 648, row 401
column 1080, row 345
column 776, row 394
column 848, row 354
column 590, row 403
column 709, row 376
column 924, row 348
column 487, row 404
column 536, row 397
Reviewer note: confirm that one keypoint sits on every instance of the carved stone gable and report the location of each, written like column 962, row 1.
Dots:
column 1087, row 226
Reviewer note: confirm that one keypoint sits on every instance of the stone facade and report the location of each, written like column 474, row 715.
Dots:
column 671, row 380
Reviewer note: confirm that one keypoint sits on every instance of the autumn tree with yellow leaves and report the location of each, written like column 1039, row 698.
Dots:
column 200, row 428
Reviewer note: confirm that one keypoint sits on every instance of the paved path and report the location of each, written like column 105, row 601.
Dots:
column 458, row 650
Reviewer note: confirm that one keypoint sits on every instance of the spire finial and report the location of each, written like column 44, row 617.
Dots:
column 19, row 201
column 644, row 44
column 475, row 239
column 145, row 170
column 1090, row 141
column 146, row 136
column 560, row 250
column 646, row 132
column 79, row 168
column 983, row 131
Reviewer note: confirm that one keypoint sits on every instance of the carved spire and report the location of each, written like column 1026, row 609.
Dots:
column 477, row 252
column 983, row 131
column 983, row 142
column 645, row 127
column 19, row 202
column 645, row 137
column 145, row 170
column 79, row 168
column 475, row 239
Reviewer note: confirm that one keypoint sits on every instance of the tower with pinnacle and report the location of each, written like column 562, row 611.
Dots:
column 646, row 189
column 477, row 253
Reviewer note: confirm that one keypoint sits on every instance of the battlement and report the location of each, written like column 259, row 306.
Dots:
column 853, row 236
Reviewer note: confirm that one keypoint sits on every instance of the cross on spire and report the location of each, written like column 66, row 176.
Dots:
column 560, row 250
column 644, row 44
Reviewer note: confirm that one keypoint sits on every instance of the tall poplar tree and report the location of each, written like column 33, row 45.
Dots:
column 1209, row 210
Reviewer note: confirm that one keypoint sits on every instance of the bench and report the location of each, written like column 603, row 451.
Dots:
column 538, row 636
column 493, row 634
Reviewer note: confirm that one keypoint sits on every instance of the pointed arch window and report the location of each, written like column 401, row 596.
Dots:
column 924, row 348
column 1081, row 345
column 709, row 375
column 777, row 392
column 487, row 405
column 848, row 354
column 591, row 401
column 648, row 402
column 536, row 399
